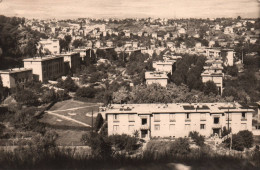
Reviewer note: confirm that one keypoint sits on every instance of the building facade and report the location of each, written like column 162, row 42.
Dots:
column 12, row 77
column 164, row 66
column 71, row 61
column 156, row 78
column 45, row 68
column 177, row 120
column 52, row 45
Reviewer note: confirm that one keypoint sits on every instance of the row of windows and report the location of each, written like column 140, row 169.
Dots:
column 172, row 127
column 131, row 117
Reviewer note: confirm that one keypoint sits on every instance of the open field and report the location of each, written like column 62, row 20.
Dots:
column 70, row 119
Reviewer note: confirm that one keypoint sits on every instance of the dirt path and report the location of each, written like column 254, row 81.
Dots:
column 67, row 118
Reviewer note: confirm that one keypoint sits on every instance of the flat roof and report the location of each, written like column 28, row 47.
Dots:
column 39, row 59
column 67, row 54
column 155, row 75
column 15, row 70
column 176, row 108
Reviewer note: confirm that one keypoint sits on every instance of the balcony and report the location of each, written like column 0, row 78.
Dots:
column 216, row 126
column 145, row 127
column 187, row 120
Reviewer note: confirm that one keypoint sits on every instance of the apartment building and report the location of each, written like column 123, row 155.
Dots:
column 213, row 72
column 12, row 77
column 45, row 68
column 71, row 61
column 50, row 44
column 156, row 78
column 227, row 56
column 177, row 119
column 163, row 66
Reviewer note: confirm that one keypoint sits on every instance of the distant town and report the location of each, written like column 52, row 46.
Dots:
column 139, row 90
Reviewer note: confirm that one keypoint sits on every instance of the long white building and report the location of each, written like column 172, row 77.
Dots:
column 177, row 119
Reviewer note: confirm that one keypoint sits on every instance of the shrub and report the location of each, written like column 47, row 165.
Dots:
column 86, row 92
column 237, row 142
column 124, row 142
column 26, row 97
column 247, row 137
column 49, row 96
column 100, row 146
column 197, row 138
column 180, row 146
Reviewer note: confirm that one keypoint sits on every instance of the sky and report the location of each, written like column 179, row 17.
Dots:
column 65, row 9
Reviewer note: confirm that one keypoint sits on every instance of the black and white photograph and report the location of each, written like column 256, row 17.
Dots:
column 129, row 84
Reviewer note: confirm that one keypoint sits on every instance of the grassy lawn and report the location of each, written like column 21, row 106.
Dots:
column 70, row 132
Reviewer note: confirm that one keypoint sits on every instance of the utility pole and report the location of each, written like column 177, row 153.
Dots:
column 92, row 121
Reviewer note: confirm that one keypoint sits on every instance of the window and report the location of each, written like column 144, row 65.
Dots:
column 157, row 117
column 171, row 127
column 144, row 121
column 187, row 126
column 115, row 127
column 156, row 127
column 243, row 115
column 243, row 126
column 216, row 120
column 172, row 117
column 130, row 127
column 187, row 116
column 203, row 116
column 131, row 118
column 202, row 126
column 228, row 116
column 115, row 117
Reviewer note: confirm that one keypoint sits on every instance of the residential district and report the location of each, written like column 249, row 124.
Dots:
column 83, row 82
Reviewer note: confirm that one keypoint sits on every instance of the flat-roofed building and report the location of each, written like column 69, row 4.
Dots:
column 14, row 76
column 212, row 52
column 213, row 72
column 45, row 68
column 71, row 61
column 177, row 119
column 156, row 78
column 52, row 45
column 227, row 56
column 163, row 66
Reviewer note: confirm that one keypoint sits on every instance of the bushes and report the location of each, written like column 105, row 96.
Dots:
column 26, row 97
column 100, row 146
column 198, row 139
column 243, row 139
column 180, row 146
column 88, row 92
column 124, row 142
column 247, row 137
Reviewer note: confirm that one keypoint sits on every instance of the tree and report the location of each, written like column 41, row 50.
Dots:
column 69, row 84
column 49, row 96
column 121, row 96
column 99, row 122
column 100, row 146
column 26, row 97
column 247, row 137
column 88, row 92
column 77, row 43
column 210, row 87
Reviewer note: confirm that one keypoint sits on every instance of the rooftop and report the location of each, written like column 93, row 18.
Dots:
column 14, row 70
column 39, row 59
column 177, row 108
column 155, row 75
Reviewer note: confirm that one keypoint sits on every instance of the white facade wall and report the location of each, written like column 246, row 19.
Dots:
column 6, row 80
column 180, row 127
column 37, row 69
column 162, row 82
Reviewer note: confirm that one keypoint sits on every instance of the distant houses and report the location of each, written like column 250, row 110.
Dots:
column 156, row 78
